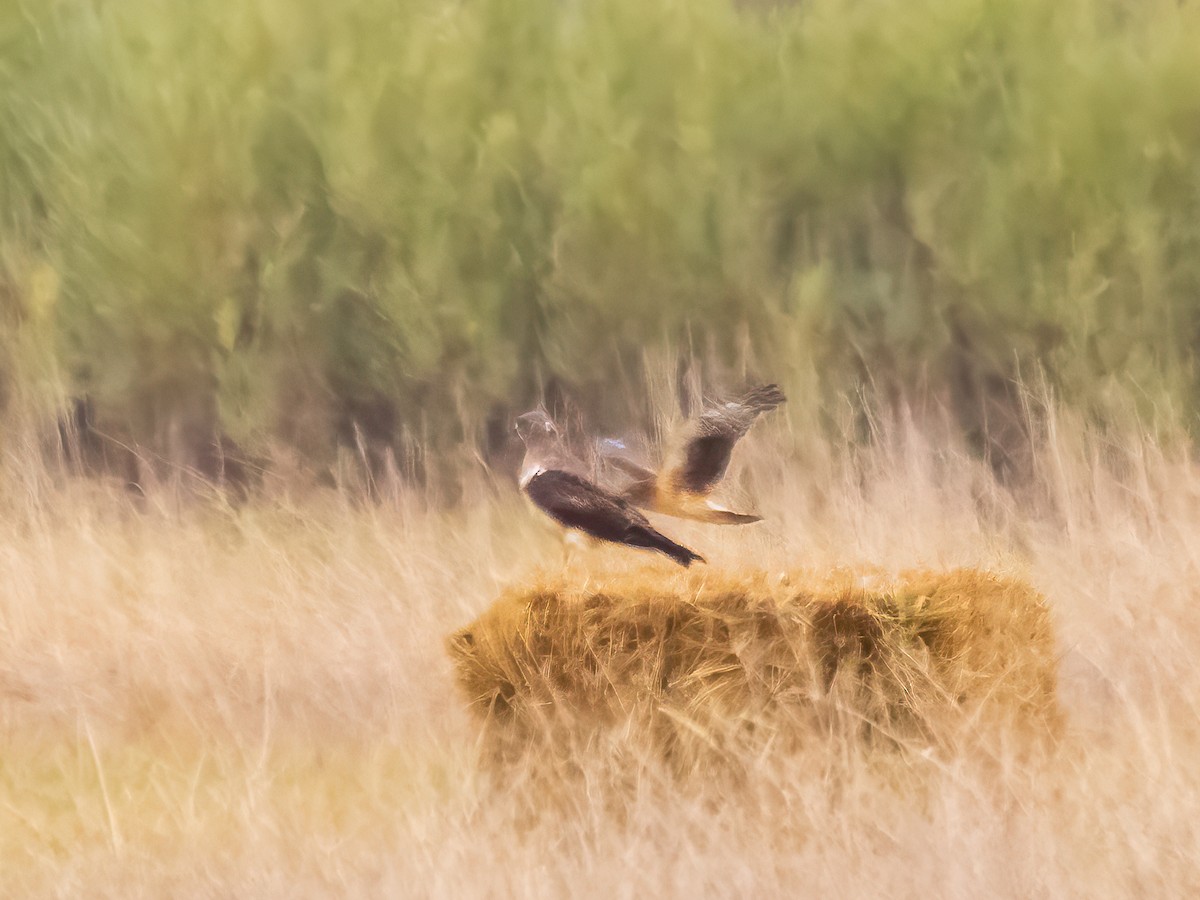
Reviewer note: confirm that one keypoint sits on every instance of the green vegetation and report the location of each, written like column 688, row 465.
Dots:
column 283, row 219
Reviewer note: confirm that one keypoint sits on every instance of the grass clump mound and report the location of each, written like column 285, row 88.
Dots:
column 702, row 665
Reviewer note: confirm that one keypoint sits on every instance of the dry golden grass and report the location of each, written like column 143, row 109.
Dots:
column 707, row 669
column 204, row 701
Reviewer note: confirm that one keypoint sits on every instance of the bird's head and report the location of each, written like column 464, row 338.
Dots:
column 535, row 427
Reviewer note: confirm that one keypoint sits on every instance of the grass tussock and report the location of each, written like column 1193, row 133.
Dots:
column 713, row 664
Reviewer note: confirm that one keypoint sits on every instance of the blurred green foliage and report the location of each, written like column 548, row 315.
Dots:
column 392, row 219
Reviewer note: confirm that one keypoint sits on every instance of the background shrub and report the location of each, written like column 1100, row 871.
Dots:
column 395, row 223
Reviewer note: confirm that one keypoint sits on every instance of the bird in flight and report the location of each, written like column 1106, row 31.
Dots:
column 683, row 486
column 549, row 478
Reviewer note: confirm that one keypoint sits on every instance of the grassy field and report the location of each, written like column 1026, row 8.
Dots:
column 345, row 243
column 198, row 700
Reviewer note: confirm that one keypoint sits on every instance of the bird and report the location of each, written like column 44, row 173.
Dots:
column 552, row 482
column 682, row 487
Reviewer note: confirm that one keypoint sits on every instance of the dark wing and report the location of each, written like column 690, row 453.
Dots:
column 706, row 458
column 710, row 438
column 577, row 503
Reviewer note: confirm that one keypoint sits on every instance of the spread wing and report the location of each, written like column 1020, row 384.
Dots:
column 577, row 503
column 709, row 440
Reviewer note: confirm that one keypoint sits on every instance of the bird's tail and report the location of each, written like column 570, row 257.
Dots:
column 645, row 536
column 764, row 398
column 718, row 516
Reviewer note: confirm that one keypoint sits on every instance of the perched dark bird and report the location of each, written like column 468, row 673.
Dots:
column 552, row 482
column 697, row 464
